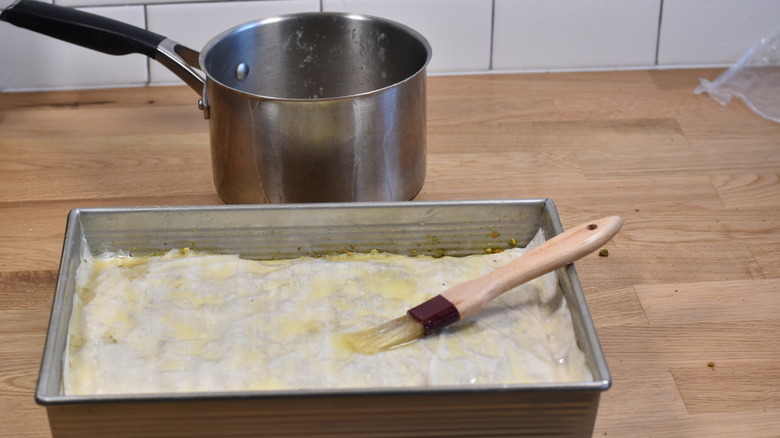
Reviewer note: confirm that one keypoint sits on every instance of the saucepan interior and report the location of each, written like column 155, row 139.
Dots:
column 315, row 56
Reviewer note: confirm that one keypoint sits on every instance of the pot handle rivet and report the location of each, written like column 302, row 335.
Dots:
column 242, row 71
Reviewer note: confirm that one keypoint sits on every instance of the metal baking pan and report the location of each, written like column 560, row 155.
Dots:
column 283, row 231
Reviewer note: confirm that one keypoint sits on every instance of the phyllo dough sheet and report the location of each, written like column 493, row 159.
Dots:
column 194, row 322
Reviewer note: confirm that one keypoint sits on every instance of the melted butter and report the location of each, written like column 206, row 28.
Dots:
column 292, row 325
column 322, row 288
column 119, row 317
column 183, row 328
column 187, row 297
column 343, row 349
column 398, row 288
column 220, row 272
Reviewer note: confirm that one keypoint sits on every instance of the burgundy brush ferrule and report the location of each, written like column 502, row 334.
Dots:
column 435, row 313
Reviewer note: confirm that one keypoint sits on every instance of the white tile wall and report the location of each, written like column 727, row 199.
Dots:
column 80, row 3
column 459, row 31
column 466, row 35
column 29, row 61
column 566, row 34
column 193, row 25
column 714, row 31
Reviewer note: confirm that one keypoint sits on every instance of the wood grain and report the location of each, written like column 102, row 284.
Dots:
column 692, row 279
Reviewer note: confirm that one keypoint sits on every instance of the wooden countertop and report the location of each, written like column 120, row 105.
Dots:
column 687, row 305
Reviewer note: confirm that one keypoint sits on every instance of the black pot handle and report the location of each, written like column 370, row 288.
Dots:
column 82, row 28
column 104, row 35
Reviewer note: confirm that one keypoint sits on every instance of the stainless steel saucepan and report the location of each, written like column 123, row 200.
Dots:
column 312, row 107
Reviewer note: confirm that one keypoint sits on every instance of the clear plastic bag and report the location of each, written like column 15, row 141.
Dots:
column 755, row 79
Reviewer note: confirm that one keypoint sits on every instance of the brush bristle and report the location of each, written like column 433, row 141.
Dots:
column 386, row 336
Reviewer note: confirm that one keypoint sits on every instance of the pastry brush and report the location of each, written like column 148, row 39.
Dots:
column 468, row 298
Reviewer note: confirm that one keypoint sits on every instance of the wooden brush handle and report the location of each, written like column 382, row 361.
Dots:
column 470, row 297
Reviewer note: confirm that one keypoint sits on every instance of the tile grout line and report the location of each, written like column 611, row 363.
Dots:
column 492, row 34
column 658, row 33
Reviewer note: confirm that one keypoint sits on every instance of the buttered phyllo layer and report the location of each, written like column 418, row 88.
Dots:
column 193, row 322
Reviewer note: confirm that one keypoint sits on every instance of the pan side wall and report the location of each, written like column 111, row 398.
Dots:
column 543, row 413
